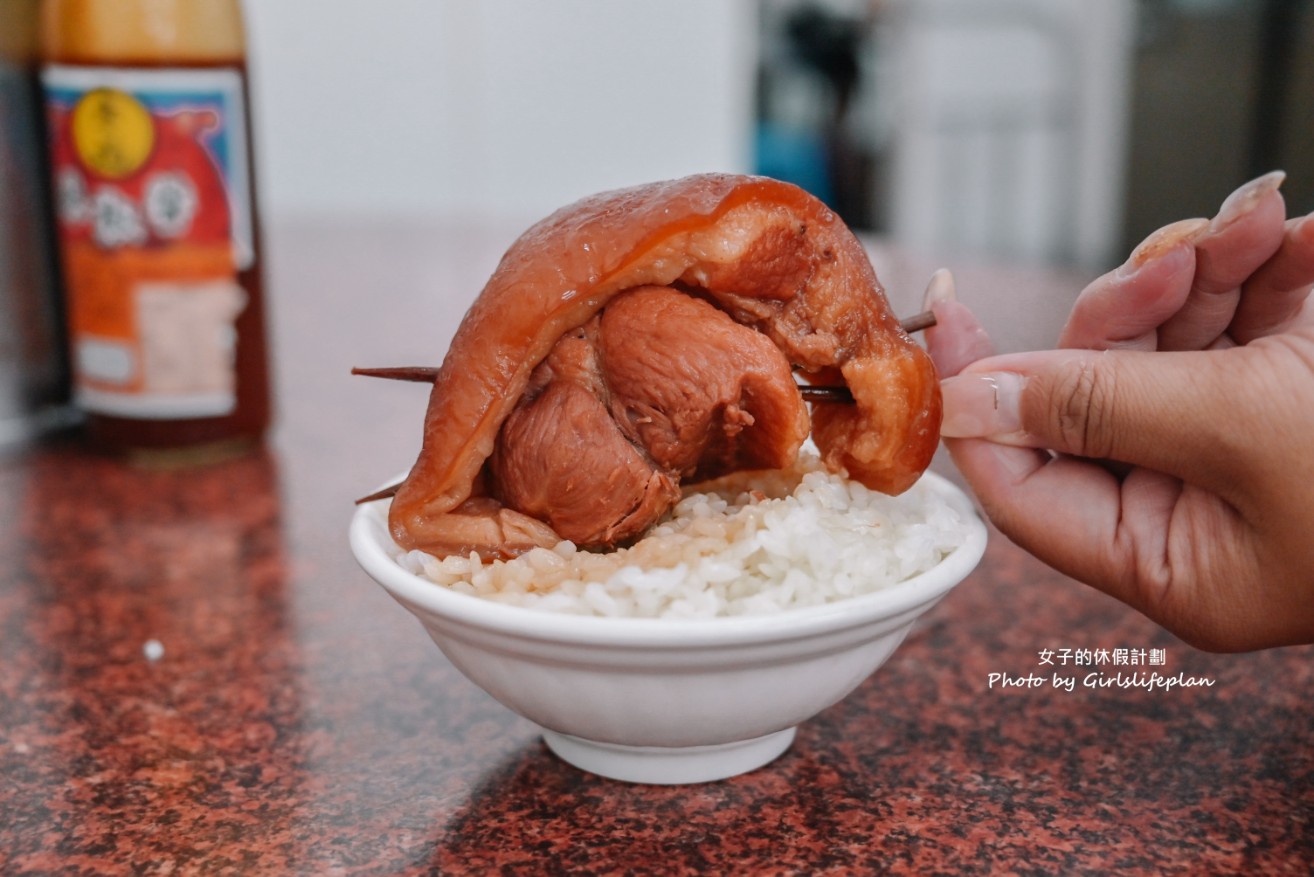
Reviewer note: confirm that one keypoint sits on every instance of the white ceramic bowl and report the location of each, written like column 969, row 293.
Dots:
column 666, row 701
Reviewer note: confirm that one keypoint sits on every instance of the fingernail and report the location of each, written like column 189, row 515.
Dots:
column 982, row 405
column 1244, row 199
column 940, row 289
column 1161, row 242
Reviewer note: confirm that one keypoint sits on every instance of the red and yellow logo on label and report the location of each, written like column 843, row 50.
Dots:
column 112, row 132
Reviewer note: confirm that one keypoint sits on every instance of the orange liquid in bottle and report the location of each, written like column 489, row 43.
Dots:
column 159, row 235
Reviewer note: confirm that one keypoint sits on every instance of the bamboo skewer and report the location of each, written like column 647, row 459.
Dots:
column 918, row 322
column 426, row 374
column 381, row 493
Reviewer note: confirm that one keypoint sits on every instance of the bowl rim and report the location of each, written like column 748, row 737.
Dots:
column 371, row 543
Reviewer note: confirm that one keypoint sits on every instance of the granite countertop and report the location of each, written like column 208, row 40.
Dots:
column 195, row 677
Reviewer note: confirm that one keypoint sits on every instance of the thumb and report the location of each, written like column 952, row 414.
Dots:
column 1172, row 412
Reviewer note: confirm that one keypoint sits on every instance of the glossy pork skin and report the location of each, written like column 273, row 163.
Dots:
column 532, row 367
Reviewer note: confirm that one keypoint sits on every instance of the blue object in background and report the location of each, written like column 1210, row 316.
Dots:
column 798, row 157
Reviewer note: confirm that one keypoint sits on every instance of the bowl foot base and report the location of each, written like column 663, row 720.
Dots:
column 661, row 765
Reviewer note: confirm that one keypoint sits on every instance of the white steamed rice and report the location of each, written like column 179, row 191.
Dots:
column 744, row 545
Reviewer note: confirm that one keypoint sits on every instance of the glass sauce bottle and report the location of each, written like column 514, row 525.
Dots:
column 151, row 160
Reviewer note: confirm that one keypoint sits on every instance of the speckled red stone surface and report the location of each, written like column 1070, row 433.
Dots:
column 293, row 720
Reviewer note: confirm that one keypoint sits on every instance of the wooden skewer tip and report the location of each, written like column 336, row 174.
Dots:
column 381, row 493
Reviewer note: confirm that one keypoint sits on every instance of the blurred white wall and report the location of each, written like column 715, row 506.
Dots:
column 499, row 108
column 1008, row 123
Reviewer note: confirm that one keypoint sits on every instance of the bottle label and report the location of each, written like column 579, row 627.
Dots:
column 152, row 188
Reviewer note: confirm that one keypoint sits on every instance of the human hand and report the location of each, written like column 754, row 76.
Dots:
column 1164, row 456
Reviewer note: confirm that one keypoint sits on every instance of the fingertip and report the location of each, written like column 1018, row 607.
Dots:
column 1124, row 308
column 1275, row 294
column 1246, row 198
column 1163, row 242
column 1301, row 229
column 957, row 339
column 1248, row 228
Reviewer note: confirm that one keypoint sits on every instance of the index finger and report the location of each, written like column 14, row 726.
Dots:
column 1124, row 308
